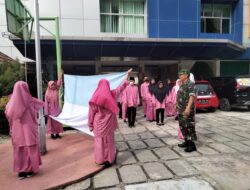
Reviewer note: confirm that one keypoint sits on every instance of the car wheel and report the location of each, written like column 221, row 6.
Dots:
column 225, row 104
column 212, row 109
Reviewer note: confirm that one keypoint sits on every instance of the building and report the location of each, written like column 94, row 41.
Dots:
column 155, row 37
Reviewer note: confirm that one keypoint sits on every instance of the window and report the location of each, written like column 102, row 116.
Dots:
column 122, row 16
column 216, row 18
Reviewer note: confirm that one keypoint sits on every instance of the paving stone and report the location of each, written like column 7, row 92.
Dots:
column 233, row 137
column 146, row 135
column 165, row 153
column 222, row 148
column 106, row 178
column 173, row 132
column 206, row 150
column 218, row 138
column 138, row 129
column 153, row 143
column 79, row 186
column 203, row 131
column 114, row 188
column 125, row 157
column 131, row 137
column 152, row 127
column 204, row 139
column 243, row 134
column 137, row 144
column 238, row 146
column 118, row 137
column 145, row 156
column 121, row 146
column 157, row 171
column 171, row 141
column 246, row 142
column 132, row 174
column 181, row 168
column 180, row 184
column 161, row 134
column 186, row 154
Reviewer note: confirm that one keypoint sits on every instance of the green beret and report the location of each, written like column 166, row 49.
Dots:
column 184, row 71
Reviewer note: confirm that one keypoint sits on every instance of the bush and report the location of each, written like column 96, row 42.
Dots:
column 10, row 73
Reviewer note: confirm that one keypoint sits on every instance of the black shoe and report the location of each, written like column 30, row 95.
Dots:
column 21, row 175
column 183, row 145
column 176, row 118
column 53, row 136
column 30, row 174
column 107, row 164
column 58, row 136
column 190, row 147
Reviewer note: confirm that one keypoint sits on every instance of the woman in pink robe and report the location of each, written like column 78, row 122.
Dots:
column 102, row 120
column 144, row 89
column 159, row 101
column 124, row 105
column 171, row 100
column 150, row 106
column 21, row 112
column 52, row 108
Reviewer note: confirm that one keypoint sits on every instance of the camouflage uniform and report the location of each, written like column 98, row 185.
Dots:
column 187, row 125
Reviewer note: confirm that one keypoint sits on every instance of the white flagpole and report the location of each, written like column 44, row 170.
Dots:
column 42, row 130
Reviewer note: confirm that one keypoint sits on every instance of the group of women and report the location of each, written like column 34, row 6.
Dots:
column 158, row 100
column 22, row 108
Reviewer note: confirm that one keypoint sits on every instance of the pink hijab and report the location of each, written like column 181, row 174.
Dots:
column 104, row 97
column 51, row 93
column 19, row 101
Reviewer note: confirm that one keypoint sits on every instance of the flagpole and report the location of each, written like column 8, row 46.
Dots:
column 41, row 121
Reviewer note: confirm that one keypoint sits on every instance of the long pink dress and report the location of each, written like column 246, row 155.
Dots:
column 150, row 107
column 171, row 101
column 21, row 112
column 124, row 105
column 52, row 107
column 102, row 118
column 144, row 89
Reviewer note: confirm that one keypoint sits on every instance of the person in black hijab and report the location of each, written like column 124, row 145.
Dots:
column 160, row 94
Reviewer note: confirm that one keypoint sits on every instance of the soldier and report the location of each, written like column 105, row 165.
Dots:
column 186, row 110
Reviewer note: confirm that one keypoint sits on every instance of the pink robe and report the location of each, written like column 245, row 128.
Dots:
column 150, row 107
column 102, row 118
column 132, row 96
column 124, row 105
column 52, row 108
column 171, row 102
column 21, row 112
column 144, row 89
column 158, row 104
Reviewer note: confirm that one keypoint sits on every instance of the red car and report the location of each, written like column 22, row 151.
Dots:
column 206, row 96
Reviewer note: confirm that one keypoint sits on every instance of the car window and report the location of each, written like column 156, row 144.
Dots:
column 203, row 89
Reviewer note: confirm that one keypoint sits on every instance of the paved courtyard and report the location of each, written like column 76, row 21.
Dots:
column 149, row 158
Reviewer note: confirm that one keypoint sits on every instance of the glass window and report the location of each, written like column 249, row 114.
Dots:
column 215, row 18
column 122, row 16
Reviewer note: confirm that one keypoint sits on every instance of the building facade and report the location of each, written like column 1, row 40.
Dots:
column 155, row 37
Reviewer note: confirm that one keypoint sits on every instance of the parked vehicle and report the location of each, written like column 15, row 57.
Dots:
column 206, row 96
column 232, row 91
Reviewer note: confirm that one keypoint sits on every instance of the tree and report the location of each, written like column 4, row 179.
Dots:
column 10, row 73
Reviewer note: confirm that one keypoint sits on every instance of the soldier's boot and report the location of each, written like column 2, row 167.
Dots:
column 190, row 146
column 184, row 144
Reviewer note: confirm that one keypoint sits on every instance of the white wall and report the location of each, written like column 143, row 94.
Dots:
column 78, row 18
column 246, row 23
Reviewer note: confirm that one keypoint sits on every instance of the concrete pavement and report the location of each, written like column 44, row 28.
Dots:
column 149, row 157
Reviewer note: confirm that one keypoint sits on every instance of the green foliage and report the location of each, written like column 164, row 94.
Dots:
column 10, row 73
